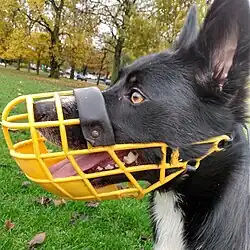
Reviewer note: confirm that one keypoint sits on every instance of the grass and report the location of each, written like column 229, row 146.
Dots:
column 112, row 225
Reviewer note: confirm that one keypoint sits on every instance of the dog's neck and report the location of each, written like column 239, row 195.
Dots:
column 169, row 222
column 201, row 212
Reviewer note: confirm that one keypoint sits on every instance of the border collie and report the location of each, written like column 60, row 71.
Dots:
column 195, row 90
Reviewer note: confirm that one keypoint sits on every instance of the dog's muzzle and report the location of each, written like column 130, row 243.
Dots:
column 75, row 174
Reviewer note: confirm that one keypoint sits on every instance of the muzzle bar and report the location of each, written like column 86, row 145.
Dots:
column 38, row 159
column 95, row 124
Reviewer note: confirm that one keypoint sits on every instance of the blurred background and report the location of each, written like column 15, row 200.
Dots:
column 53, row 45
column 87, row 40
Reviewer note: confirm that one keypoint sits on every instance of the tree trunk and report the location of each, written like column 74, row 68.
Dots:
column 98, row 79
column 5, row 64
column 72, row 72
column 117, row 59
column 38, row 66
column 84, row 69
column 54, row 67
column 101, row 67
column 18, row 64
column 55, row 46
column 28, row 67
column 54, row 64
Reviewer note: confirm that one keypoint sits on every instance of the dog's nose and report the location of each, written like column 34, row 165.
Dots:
column 42, row 109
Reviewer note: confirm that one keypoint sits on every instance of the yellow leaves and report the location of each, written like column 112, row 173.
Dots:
column 8, row 6
column 142, row 36
column 77, row 48
column 17, row 45
column 36, row 5
column 39, row 43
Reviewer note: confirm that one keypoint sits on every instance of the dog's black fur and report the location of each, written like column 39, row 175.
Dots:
column 194, row 91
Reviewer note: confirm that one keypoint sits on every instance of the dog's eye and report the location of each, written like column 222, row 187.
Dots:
column 136, row 97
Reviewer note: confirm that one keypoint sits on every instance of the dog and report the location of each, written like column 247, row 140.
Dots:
column 195, row 90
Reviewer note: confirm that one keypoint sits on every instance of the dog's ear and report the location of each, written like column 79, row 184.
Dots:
column 224, row 41
column 189, row 31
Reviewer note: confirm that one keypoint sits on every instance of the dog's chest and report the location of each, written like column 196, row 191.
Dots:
column 169, row 222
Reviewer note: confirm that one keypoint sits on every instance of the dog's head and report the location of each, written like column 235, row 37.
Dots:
column 193, row 91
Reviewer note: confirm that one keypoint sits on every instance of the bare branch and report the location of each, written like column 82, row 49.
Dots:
column 61, row 5
column 54, row 5
column 109, row 50
column 43, row 23
column 63, row 33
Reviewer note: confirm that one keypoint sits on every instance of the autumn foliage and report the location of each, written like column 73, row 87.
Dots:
column 97, row 35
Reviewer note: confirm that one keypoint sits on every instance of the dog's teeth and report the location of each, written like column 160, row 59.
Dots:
column 109, row 167
column 116, row 166
column 121, row 186
column 99, row 168
column 130, row 158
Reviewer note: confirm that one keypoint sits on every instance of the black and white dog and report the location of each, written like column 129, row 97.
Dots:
column 192, row 92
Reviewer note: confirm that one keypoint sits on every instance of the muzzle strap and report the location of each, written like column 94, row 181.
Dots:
column 95, row 124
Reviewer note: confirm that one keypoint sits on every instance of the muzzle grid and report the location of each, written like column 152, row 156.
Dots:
column 36, row 160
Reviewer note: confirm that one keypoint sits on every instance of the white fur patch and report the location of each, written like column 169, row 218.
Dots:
column 169, row 222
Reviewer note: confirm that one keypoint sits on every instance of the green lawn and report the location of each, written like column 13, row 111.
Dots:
column 112, row 225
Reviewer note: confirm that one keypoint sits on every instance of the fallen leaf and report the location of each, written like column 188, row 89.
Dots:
column 37, row 240
column 145, row 237
column 92, row 204
column 130, row 158
column 9, row 225
column 78, row 216
column 26, row 183
column 43, row 200
column 59, row 202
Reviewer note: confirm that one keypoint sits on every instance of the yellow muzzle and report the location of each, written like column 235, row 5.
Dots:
column 35, row 159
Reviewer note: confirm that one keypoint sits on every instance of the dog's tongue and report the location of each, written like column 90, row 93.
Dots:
column 86, row 162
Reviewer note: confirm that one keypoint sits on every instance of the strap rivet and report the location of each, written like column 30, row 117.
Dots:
column 95, row 133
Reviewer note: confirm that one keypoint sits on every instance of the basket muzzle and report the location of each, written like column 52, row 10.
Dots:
column 41, row 162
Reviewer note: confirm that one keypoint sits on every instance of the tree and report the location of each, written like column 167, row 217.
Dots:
column 66, row 31
column 54, row 17
column 154, row 25
column 78, row 43
column 102, row 63
column 142, row 37
column 116, row 16
column 76, row 51
column 14, row 29
column 17, row 46
column 49, row 15
column 139, row 27
column 170, row 16
column 38, row 44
